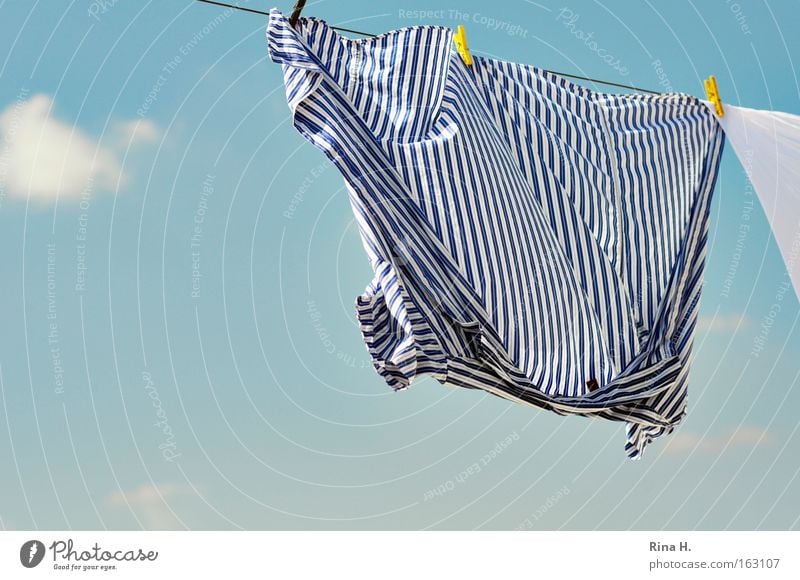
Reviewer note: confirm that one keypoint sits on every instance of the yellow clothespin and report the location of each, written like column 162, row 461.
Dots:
column 460, row 38
column 713, row 95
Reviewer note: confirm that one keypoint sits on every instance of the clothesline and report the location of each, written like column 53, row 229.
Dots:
column 370, row 35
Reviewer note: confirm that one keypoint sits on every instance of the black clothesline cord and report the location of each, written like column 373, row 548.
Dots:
column 242, row 8
column 609, row 83
column 599, row 81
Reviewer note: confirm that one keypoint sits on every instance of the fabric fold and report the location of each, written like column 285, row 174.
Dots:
column 402, row 347
column 301, row 71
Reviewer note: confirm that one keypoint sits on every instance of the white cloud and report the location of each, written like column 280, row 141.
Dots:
column 151, row 503
column 44, row 158
column 130, row 133
column 723, row 323
column 687, row 442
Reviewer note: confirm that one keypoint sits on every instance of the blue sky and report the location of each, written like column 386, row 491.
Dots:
column 179, row 345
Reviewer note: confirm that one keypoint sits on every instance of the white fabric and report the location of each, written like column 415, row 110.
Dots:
column 768, row 145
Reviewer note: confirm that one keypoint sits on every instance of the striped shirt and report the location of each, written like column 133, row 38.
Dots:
column 529, row 237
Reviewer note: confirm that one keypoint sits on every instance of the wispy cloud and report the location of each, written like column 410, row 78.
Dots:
column 723, row 323
column 682, row 443
column 131, row 133
column 151, row 503
column 44, row 158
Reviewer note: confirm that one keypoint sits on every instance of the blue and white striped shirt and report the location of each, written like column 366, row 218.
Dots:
column 529, row 237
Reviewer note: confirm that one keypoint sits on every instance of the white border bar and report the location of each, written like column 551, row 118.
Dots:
column 408, row 555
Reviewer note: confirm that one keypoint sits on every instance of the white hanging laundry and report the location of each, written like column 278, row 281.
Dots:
column 767, row 144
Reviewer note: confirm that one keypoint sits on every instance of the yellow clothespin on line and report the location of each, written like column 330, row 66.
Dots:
column 713, row 95
column 460, row 38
